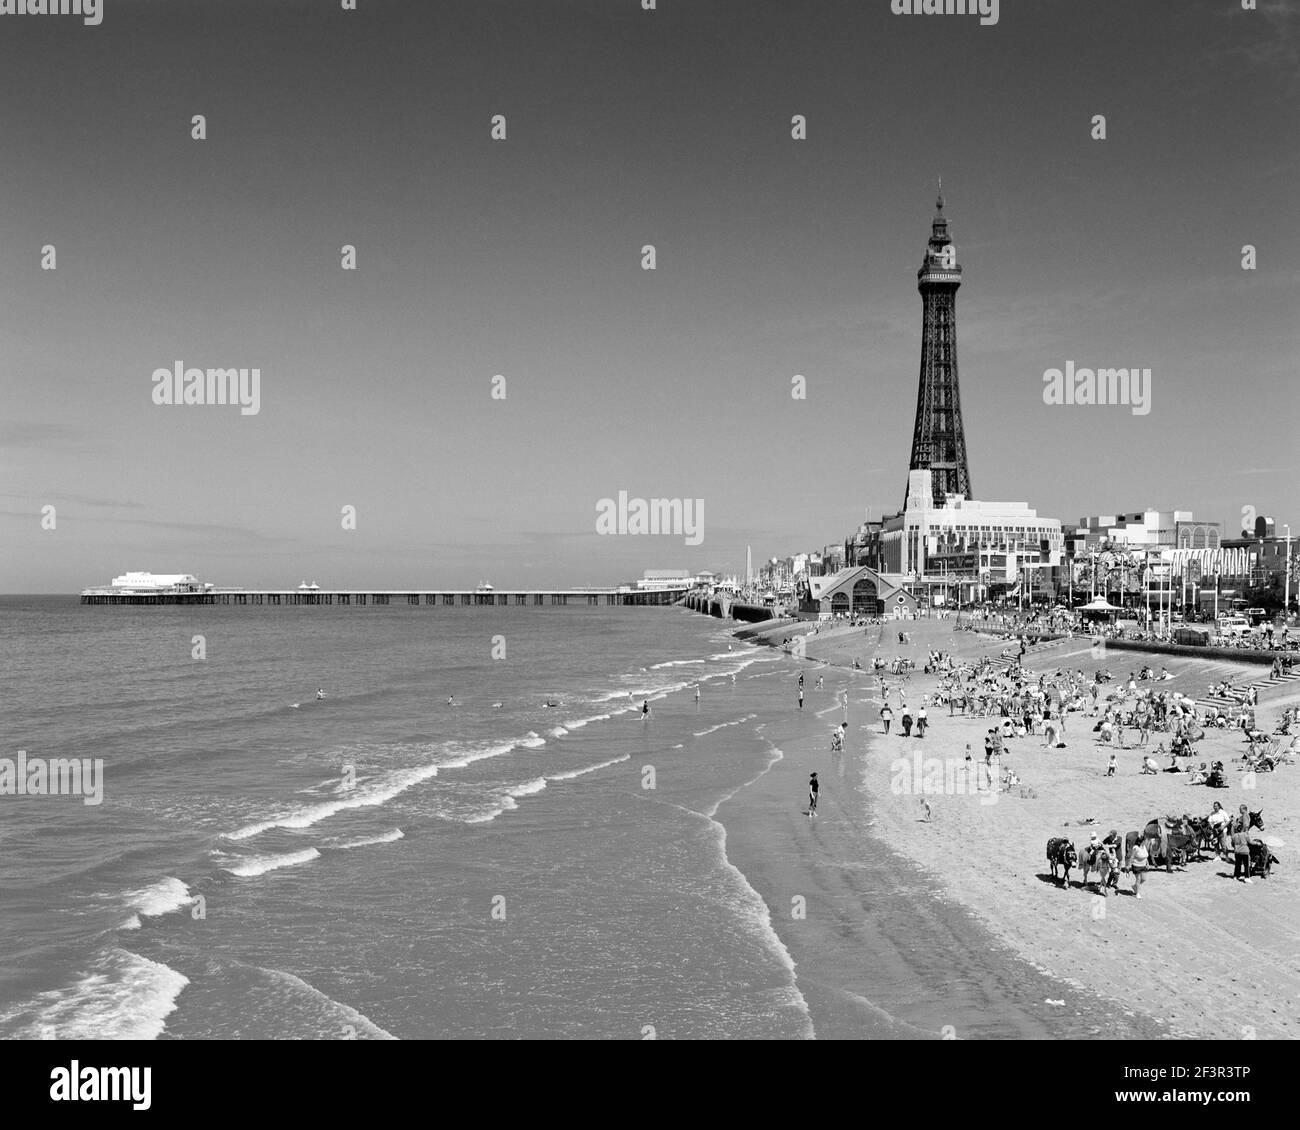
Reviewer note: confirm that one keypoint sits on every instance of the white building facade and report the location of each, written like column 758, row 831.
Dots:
column 992, row 541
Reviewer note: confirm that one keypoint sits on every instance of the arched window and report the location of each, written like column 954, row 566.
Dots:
column 864, row 597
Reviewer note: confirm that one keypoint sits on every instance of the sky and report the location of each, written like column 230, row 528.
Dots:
column 522, row 258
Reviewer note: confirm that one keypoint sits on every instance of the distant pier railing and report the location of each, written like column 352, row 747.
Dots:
column 459, row 598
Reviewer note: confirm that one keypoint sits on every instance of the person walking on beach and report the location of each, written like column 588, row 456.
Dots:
column 801, row 696
column 921, row 722
column 886, row 716
column 970, row 763
column 645, row 710
column 801, row 680
column 1241, row 855
column 1137, row 864
column 697, row 692
column 1110, row 769
column 813, row 789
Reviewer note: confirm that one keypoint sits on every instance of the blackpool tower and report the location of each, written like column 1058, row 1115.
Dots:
column 938, row 439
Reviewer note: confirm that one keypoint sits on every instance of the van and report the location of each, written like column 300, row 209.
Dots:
column 1233, row 626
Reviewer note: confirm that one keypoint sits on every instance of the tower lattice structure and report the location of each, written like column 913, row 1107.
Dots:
column 938, row 438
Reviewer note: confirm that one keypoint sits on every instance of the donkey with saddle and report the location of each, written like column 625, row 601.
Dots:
column 1061, row 853
column 1168, row 843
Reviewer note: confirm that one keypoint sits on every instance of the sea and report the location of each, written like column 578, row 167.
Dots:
column 431, row 850
column 475, row 833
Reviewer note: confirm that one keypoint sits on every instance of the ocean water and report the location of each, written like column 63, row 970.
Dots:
column 388, row 864
column 382, row 863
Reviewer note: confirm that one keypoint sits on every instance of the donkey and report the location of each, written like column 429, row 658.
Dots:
column 1061, row 853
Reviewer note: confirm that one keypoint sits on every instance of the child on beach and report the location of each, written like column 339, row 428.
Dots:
column 1110, row 769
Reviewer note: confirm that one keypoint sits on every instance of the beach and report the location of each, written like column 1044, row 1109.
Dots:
column 1200, row 955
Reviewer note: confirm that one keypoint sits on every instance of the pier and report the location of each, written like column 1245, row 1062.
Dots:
column 449, row 598
column 727, row 607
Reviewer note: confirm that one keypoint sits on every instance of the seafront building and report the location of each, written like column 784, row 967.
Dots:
column 1155, row 528
column 975, row 549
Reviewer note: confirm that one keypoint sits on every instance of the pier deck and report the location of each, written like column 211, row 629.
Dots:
column 467, row 598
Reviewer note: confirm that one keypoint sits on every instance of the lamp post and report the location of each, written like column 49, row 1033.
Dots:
column 1286, row 575
column 1146, row 585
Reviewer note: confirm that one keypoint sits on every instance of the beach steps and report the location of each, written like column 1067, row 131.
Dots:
column 1003, row 662
column 1216, row 702
column 1237, row 694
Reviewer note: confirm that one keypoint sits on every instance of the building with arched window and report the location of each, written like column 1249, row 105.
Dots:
column 856, row 591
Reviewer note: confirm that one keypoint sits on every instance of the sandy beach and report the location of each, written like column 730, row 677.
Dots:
column 1199, row 955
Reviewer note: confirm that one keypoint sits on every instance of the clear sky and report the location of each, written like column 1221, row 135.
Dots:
column 522, row 257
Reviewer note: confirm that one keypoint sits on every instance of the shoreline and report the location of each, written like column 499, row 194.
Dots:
column 1198, row 956
column 880, row 949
